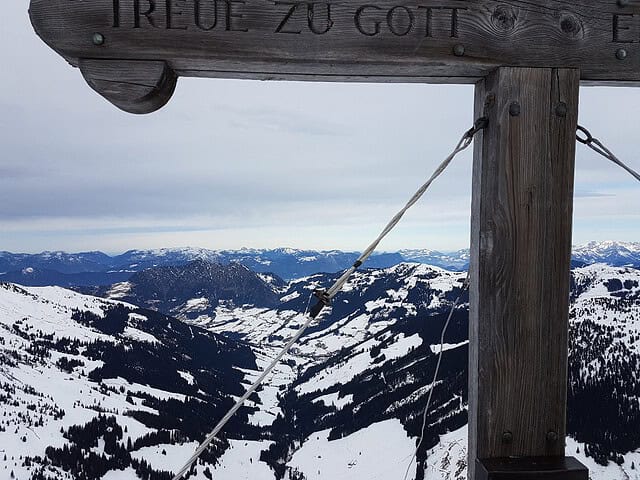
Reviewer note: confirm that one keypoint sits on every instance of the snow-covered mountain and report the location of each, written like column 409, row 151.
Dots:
column 457, row 261
column 59, row 261
column 347, row 400
column 379, row 344
column 605, row 360
column 195, row 288
column 42, row 277
column 617, row 254
column 92, row 386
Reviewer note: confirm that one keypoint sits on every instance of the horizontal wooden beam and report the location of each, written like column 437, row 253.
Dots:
column 441, row 41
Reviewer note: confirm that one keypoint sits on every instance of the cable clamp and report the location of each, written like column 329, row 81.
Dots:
column 323, row 296
column 480, row 124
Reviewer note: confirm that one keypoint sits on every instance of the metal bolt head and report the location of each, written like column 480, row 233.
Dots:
column 552, row 437
column 507, row 437
column 621, row 54
column 459, row 50
column 490, row 101
column 98, row 38
column 514, row 109
column 561, row 109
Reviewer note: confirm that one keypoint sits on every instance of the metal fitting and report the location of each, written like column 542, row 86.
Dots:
column 98, row 39
column 561, row 109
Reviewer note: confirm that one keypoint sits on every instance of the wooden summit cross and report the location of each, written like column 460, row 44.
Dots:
column 527, row 59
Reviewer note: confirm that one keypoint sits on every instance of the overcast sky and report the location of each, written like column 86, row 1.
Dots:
column 228, row 164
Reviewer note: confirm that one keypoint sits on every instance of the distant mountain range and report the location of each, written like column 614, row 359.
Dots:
column 97, row 268
column 616, row 254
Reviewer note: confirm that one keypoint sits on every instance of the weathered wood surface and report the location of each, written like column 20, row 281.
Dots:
column 536, row 468
column 133, row 86
column 453, row 41
column 520, row 262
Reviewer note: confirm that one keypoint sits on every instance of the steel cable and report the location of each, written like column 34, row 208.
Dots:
column 598, row 147
column 435, row 374
column 325, row 296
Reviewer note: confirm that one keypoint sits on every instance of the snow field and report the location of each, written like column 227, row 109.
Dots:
column 173, row 458
column 334, row 400
column 379, row 452
column 242, row 462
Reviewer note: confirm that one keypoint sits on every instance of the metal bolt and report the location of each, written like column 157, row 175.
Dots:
column 458, row 50
column 623, row 3
column 98, row 38
column 552, row 437
column 514, row 109
column 507, row 437
column 621, row 54
column 561, row 109
column 490, row 101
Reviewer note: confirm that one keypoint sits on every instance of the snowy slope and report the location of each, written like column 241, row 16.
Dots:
column 95, row 380
column 447, row 461
column 604, row 366
column 365, row 364
column 346, row 402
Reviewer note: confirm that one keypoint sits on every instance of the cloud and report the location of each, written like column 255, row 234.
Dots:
column 230, row 163
column 276, row 119
column 590, row 194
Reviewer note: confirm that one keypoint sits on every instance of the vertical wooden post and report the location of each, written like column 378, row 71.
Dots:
column 520, row 264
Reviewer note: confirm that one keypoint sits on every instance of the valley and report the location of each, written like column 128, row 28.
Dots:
column 124, row 383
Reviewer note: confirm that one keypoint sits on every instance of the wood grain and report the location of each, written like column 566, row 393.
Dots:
column 531, row 468
column 444, row 41
column 134, row 86
column 520, row 262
